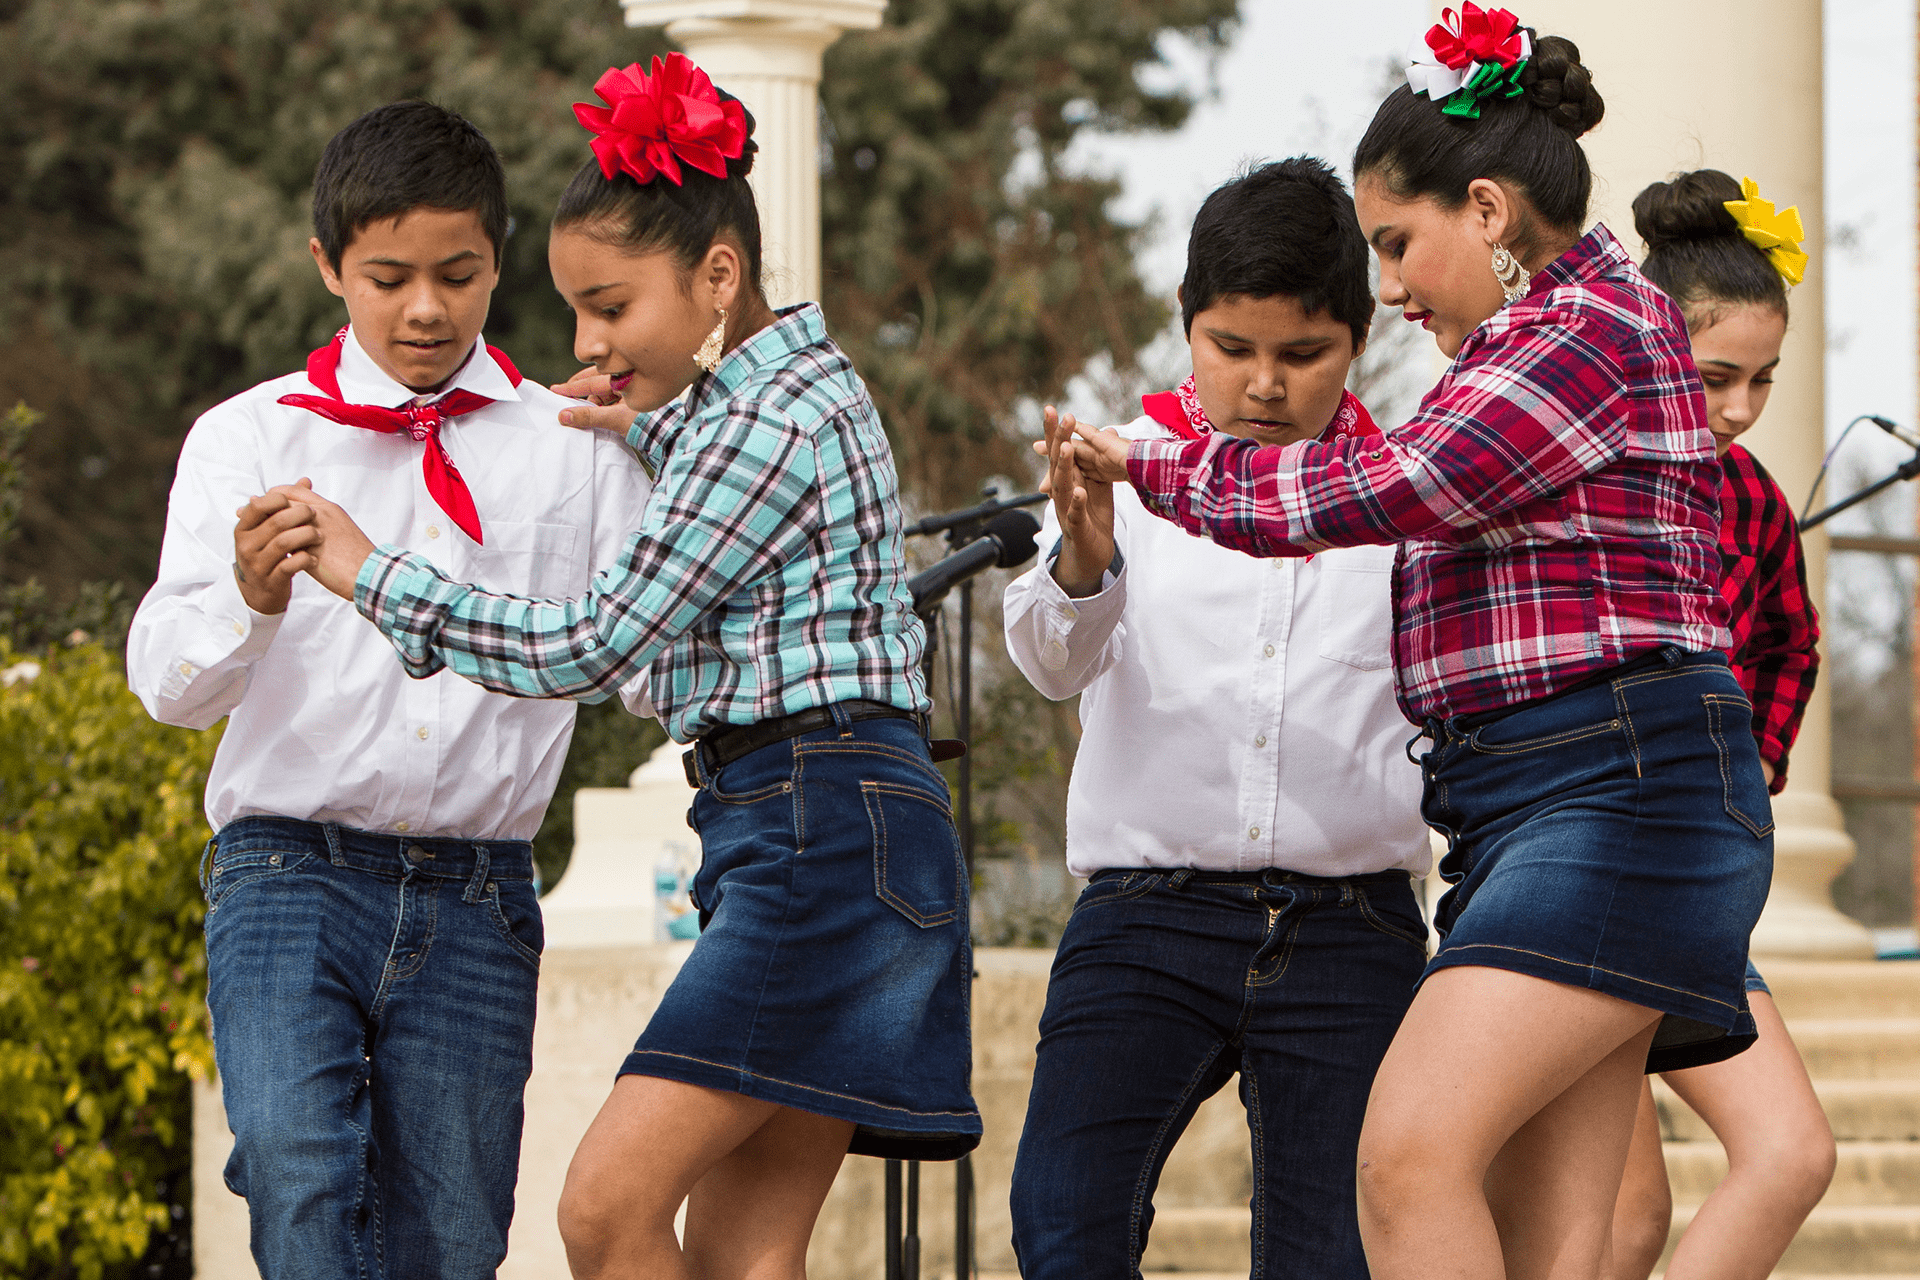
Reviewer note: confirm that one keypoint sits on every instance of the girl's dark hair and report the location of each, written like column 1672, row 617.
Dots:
column 684, row 219
column 1285, row 228
column 1529, row 142
column 1696, row 251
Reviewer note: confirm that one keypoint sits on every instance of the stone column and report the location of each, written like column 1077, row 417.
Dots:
column 767, row 54
column 1736, row 85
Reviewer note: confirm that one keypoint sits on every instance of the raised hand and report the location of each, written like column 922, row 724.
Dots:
column 1084, row 507
column 274, row 539
column 1101, row 453
column 342, row 548
column 603, row 407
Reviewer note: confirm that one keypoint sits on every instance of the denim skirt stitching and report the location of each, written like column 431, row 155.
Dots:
column 1715, row 705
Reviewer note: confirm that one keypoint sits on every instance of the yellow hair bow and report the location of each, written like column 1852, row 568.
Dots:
column 1778, row 235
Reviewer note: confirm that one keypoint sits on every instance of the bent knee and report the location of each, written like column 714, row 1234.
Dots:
column 1640, row 1234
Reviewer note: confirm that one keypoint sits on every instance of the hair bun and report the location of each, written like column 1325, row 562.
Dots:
column 1692, row 206
column 1556, row 82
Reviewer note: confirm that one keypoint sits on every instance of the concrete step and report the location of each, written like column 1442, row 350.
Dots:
column 1859, row 1110
column 1844, row 988
column 1859, row 1048
column 1204, row 1239
column 1883, row 1173
column 1845, row 1239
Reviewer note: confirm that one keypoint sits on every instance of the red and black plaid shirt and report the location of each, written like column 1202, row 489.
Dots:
column 1774, row 624
column 1556, row 497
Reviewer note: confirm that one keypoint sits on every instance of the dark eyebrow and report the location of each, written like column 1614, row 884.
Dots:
column 599, row 288
column 1223, row 335
column 444, row 262
column 1379, row 231
column 1735, row 364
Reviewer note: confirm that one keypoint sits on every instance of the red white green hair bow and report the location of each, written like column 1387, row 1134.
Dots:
column 1469, row 57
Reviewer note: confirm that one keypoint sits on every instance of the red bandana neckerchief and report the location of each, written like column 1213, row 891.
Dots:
column 420, row 421
column 1179, row 411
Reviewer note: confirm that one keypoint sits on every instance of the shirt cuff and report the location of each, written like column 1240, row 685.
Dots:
column 400, row 592
column 227, row 611
column 1161, row 470
column 1062, row 615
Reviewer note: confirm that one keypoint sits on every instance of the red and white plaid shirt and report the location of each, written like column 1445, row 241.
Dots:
column 1775, row 628
column 1557, row 497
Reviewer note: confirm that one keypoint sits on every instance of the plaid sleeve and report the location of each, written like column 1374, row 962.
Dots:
column 1540, row 406
column 737, row 497
column 1781, row 652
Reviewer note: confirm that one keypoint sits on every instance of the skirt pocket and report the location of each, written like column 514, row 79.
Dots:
column 917, row 867
column 1743, row 786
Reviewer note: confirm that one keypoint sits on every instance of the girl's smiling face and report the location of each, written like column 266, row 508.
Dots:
column 1267, row 370
column 640, row 317
column 1737, row 354
column 1435, row 262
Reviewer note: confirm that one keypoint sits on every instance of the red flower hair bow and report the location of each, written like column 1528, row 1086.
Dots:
column 654, row 123
column 1477, row 36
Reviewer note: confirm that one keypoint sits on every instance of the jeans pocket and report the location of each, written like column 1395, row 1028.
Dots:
column 235, row 870
column 1115, row 888
column 1391, row 922
column 917, row 867
column 1743, row 785
column 514, row 907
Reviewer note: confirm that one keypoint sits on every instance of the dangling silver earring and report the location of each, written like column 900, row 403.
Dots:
column 708, row 356
column 1512, row 276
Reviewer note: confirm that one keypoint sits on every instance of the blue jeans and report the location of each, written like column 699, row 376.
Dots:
column 372, row 1000
column 1168, row 983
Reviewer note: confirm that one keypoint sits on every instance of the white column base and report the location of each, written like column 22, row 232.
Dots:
column 1810, row 848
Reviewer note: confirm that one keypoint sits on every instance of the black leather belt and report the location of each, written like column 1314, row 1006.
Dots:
column 723, row 746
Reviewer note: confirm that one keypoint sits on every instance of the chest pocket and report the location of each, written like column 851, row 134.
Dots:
column 1356, row 606
column 544, row 561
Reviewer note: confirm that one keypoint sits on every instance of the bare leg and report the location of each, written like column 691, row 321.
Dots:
column 654, row 1142
column 1497, row 1129
column 1780, row 1155
column 1643, row 1216
column 783, row 1172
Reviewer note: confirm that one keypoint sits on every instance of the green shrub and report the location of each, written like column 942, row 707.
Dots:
column 102, row 966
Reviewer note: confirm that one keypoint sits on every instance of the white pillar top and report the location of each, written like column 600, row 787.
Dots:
column 849, row 15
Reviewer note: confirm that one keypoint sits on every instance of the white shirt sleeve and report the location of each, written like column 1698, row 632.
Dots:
column 1059, row 643
column 194, row 641
column 621, row 490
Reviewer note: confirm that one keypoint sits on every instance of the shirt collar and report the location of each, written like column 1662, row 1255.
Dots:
column 794, row 329
column 364, row 382
column 1597, row 254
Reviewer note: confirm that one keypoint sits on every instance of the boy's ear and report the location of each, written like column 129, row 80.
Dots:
column 327, row 274
column 1359, row 349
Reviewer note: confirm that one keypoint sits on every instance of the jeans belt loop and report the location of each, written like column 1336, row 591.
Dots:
column 842, row 718
column 1180, row 878
column 477, row 886
column 335, row 854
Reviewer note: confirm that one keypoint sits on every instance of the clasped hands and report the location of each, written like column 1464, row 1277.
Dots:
column 1083, row 465
column 290, row 529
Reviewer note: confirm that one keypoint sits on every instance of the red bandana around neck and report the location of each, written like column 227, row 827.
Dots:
column 421, row 422
column 1179, row 411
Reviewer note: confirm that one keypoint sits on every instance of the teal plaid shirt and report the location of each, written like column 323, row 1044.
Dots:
column 766, row 574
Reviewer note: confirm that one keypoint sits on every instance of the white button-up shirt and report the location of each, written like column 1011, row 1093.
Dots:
column 1237, row 713
column 325, row 724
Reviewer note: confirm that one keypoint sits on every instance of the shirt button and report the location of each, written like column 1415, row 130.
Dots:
column 1268, row 651
column 401, row 826
column 239, row 629
column 589, row 645
column 421, row 733
column 433, row 530
column 186, row 668
column 1260, row 741
column 1253, row 833
column 1375, row 455
column 1053, row 655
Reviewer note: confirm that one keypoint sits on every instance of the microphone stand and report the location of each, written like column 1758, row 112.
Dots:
column 1907, row 470
column 902, row 1250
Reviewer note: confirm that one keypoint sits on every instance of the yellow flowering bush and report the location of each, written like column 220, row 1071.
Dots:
column 102, row 967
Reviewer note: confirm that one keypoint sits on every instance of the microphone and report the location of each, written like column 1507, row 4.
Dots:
column 1005, row 540
column 993, row 506
column 1897, row 431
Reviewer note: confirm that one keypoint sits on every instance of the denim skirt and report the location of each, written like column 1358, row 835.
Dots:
column 833, row 969
column 1619, row 837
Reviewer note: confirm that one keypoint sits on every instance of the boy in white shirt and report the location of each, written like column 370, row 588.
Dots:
column 373, row 929
column 1241, row 801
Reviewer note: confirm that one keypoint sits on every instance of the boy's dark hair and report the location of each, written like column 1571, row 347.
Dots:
column 1697, row 252
column 1285, row 228
column 1530, row 143
column 401, row 157
column 683, row 218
